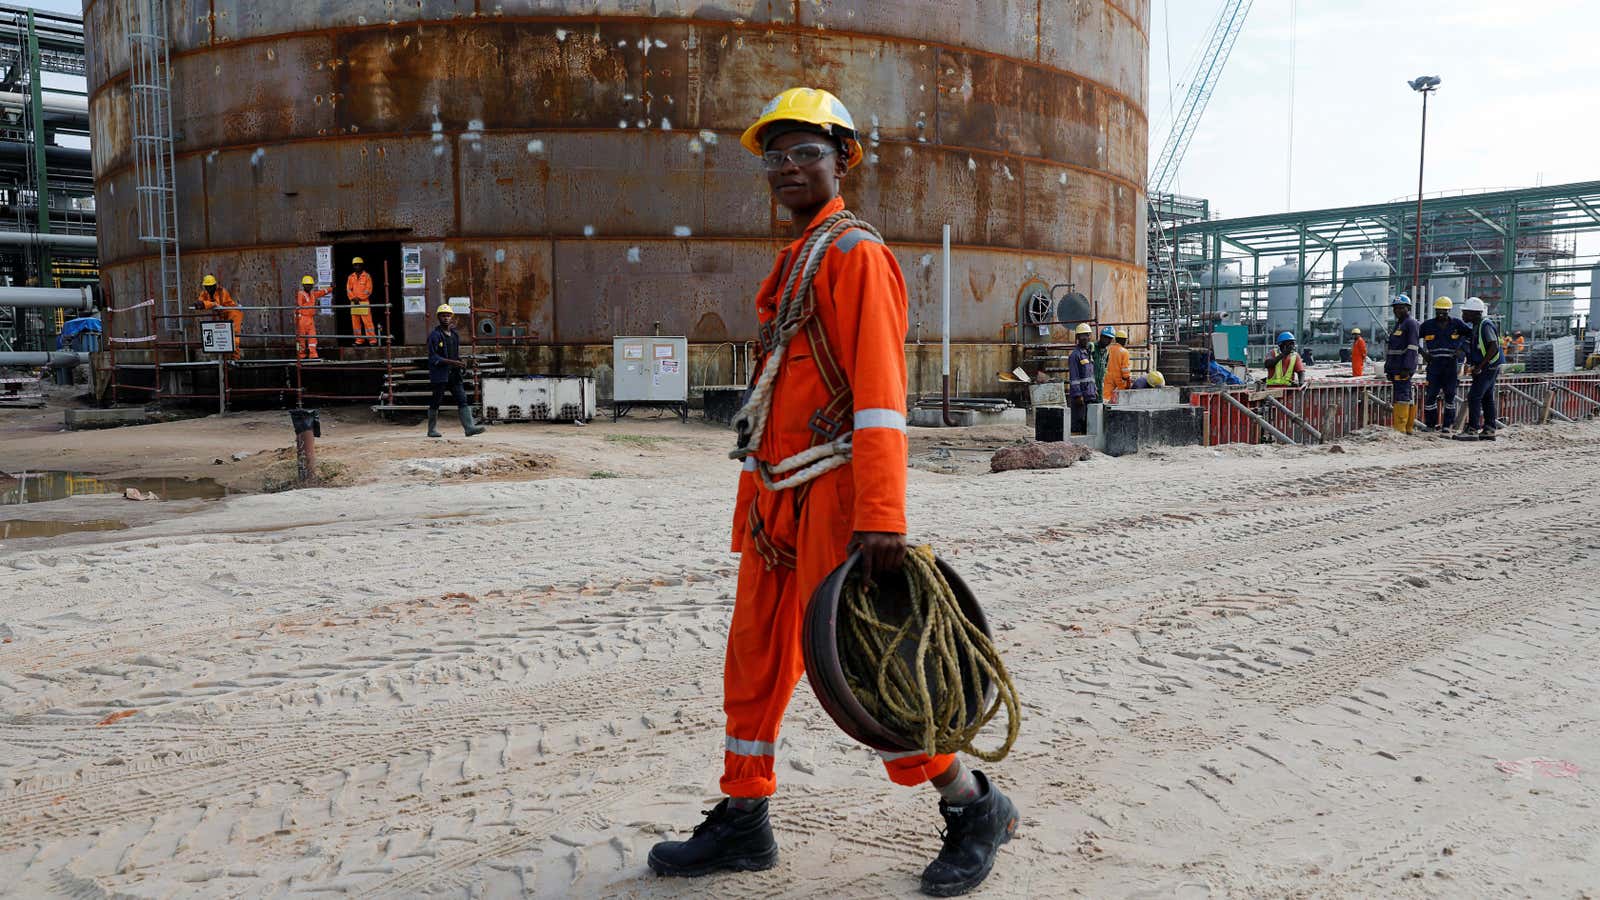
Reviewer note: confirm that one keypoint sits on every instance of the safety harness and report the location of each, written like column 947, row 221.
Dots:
column 831, row 426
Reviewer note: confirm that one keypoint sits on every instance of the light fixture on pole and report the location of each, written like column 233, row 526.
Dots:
column 1424, row 85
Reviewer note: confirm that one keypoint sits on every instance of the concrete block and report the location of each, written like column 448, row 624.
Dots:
column 1149, row 398
column 934, row 418
column 1131, row 430
column 115, row 417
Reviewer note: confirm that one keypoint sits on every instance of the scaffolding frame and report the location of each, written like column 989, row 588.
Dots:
column 1541, row 221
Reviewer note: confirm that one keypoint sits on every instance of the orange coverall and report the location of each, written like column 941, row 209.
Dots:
column 305, row 345
column 1358, row 357
column 358, row 287
column 861, row 305
column 1119, row 372
column 227, row 310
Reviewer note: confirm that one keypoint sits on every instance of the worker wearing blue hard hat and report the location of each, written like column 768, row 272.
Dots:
column 1400, row 363
column 1286, row 369
column 1102, row 352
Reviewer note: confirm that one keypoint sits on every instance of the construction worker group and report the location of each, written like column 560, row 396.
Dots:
column 1440, row 347
column 1097, row 371
column 215, row 299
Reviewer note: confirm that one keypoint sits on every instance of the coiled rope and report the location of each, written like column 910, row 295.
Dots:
column 793, row 313
column 898, row 693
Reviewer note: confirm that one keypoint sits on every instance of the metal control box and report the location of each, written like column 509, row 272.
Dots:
column 539, row 398
column 651, row 369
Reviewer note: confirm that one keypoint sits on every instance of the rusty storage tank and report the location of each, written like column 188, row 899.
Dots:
column 573, row 166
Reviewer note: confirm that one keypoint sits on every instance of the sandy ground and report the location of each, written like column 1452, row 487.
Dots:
column 1247, row 672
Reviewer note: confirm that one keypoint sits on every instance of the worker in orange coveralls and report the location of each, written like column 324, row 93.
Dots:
column 305, row 327
column 832, row 385
column 358, row 287
column 214, row 296
column 1119, row 368
column 1358, row 354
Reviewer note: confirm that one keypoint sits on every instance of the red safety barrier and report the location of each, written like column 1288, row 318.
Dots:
column 1335, row 409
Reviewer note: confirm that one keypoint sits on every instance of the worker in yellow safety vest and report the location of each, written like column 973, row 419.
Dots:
column 1286, row 369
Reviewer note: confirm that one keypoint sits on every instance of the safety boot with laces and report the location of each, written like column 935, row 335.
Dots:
column 729, row 839
column 972, row 836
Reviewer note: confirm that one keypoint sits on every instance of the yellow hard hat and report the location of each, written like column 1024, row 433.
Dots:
column 1157, row 379
column 812, row 106
column 1083, row 328
column 1122, row 334
column 209, row 281
column 444, row 308
column 1355, row 331
column 358, row 261
column 1442, row 303
column 308, row 280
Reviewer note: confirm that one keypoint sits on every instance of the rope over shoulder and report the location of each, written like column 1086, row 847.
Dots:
column 958, row 657
column 796, row 311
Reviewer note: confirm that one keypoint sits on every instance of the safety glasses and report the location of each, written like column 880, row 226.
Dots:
column 799, row 154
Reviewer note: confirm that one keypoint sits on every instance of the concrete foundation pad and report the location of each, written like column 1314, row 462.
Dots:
column 964, row 418
column 1149, row 398
column 1131, row 430
column 115, row 417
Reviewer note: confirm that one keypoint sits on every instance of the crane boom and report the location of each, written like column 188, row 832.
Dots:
column 1219, row 44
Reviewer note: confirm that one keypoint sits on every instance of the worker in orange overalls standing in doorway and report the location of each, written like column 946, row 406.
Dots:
column 214, row 296
column 1358, row 354
column 1119, row 368
column 305, row 327
column 358, row 287
column 832, row 386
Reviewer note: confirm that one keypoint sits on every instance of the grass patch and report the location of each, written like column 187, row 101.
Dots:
column 637, row 440
column 604, row 474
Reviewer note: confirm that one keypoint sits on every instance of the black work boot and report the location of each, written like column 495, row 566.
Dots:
column 1486, row 435
column 729, row 839
column 972, row 836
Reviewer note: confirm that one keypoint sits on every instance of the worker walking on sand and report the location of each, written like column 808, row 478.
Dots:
column 305, row 326
column 1358, row 354
column 1082, row 389
column 1119, row 368
column 1286, row 370
column 1484, row 356
column 1444, row 340
column 1400, row 363
column 833, row 323
column 216, row 298
column 1100, row 353
column 444, row 373
column 358, row 287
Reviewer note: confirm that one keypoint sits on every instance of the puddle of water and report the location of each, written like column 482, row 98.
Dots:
column 17, row 529
column 38, row 487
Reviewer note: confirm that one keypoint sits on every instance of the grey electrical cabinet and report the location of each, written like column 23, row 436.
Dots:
column 650, row 371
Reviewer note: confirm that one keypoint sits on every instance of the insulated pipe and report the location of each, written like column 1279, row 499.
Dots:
column 54, row 359
column 47, row 298
column 64, row 104
column 36, row 239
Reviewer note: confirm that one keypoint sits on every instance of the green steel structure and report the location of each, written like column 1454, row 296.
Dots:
column 1484, row 234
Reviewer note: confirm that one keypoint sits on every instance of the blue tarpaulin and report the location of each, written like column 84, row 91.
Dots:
column 75, row 327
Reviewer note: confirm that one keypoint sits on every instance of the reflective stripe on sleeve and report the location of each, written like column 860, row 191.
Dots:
column 891, row 757
column 880, row 418
column 749, row 748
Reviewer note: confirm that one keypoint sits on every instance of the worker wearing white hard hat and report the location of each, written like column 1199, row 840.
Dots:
column 1358, row 354
column 445, row 368
column 1484, row 356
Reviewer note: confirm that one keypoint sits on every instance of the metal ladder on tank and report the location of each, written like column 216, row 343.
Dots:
column 150, row 86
